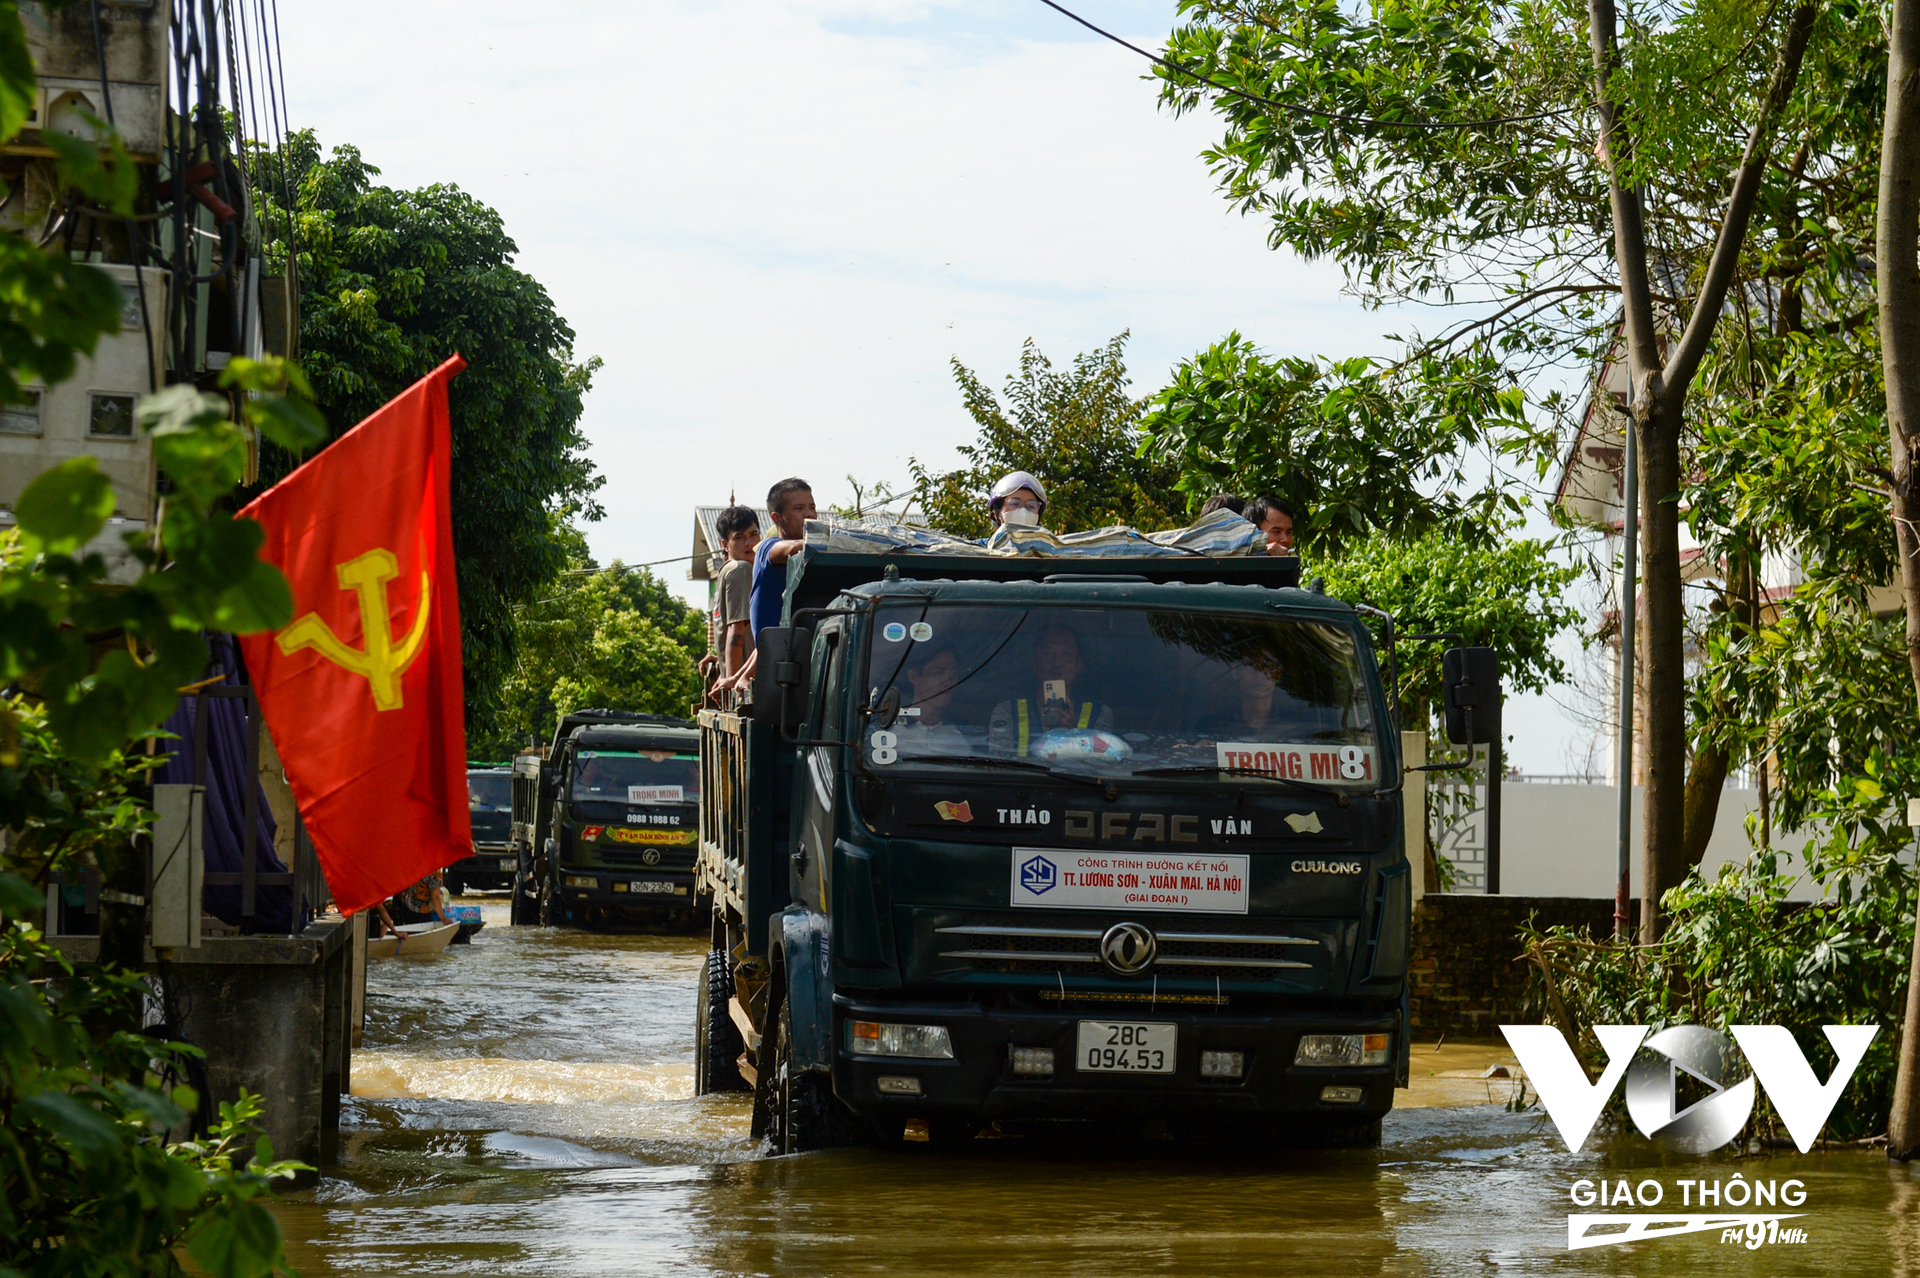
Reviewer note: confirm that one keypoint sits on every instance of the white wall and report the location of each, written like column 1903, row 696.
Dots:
column 1562, row 840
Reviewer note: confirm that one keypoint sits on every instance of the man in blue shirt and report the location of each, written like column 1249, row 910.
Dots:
column 790, row 503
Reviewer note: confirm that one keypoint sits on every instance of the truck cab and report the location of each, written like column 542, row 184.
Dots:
column 612, row 821
column 489, row 809
column 1005, row 840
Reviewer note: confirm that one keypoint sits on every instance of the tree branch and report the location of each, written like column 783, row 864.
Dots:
column 1692, row 346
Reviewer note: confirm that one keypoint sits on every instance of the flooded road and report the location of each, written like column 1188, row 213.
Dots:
column 525, row 1106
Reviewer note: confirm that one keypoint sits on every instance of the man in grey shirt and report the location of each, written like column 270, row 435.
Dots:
column 739, row 531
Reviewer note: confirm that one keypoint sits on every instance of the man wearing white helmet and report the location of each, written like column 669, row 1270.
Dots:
column 1018, row 499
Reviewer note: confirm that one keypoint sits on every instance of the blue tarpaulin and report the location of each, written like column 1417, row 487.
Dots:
column 229, row 771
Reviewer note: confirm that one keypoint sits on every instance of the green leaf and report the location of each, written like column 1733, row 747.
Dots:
column 291, row 423
column 111, row 182
column 237, row 1240
column 18, row 897
column 66, row 507
column 82, row 1126
column 16, row 74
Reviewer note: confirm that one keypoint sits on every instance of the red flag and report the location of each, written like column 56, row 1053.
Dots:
column 362, row 690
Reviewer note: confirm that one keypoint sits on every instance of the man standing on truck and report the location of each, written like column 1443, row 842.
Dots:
column 790, row 503
column 1274, row 518
column 1017, row 499
column 1015, row 725
column 739, row 530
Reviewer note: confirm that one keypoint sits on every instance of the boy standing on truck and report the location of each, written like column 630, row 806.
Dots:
column 790, row 503
column 739, row 530
column 1274, row 518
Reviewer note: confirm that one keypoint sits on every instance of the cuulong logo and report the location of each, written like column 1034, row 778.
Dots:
column 1707, row 1057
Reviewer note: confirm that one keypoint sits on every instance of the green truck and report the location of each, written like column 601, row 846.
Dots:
column 1018, row 839
column 604, row 823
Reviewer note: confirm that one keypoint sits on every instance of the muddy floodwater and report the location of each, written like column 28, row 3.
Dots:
column 525, row 1106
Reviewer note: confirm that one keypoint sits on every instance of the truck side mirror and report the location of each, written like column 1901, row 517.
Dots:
column 1473, row 699
column 780, row 676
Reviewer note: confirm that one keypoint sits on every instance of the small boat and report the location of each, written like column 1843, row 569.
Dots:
column 413, row 938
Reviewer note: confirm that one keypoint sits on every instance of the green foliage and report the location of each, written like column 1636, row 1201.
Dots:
column 1077, row 431
column 394, row 282
column 614, row 637
column 1738, row 953
column 1508, row 595
column 89, row 1181
column 1350, row 445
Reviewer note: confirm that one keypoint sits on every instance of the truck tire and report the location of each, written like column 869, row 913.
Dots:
column 803, row 1114
column 521, row 908
column 549, row 908
column 716, row 1039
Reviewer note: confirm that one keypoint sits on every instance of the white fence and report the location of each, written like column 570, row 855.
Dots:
column 1561, row 838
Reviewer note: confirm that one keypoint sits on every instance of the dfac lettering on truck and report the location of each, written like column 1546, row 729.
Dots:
column 1018, row 839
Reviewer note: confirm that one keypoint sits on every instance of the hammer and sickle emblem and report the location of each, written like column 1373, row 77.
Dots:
column 384, row 661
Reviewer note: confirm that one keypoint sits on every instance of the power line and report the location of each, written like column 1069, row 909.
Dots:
column 1290, row 108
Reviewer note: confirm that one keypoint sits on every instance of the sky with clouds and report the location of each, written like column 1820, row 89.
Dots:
column 777, row 222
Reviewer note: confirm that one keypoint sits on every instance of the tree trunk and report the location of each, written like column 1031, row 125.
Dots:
column 1660, row 383
column 1897, row 234
column 1663, row 850
column 1707, row 775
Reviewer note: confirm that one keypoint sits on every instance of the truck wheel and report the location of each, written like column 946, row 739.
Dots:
column 520, row 908
column 549, row 910
column 716, row 1039
column 803, row 1114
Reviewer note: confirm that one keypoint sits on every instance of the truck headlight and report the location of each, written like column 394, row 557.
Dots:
column 870, row 1038
column 582, row 880
column 1343, row 1049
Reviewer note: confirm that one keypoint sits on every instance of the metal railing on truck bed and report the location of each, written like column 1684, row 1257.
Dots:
column 738, row 836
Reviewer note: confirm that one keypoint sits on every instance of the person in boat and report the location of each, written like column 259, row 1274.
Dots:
column 424, row 902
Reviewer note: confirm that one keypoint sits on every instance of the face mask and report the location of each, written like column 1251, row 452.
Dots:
column 1021, row 516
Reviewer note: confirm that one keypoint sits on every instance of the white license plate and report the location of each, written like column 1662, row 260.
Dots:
column 1125, row 1047
column 508, row 863
column 657, row 886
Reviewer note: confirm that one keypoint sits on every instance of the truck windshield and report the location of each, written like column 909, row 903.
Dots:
column 489, row 790
column 1113, row 691
column 654, row 776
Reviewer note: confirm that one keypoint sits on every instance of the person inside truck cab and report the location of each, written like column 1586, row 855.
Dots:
column 1250, row 709
column 1018, row 499
column 933, row 672
column 599, row 779
column 1054, row 702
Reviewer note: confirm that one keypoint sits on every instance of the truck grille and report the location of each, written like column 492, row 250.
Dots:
column 635, row 858
column 1226, row 955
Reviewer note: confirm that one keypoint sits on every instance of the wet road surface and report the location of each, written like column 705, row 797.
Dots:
column 524, row 1106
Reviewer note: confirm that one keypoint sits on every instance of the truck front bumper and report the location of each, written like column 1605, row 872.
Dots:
column 489, row 866
column 980, row 1080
